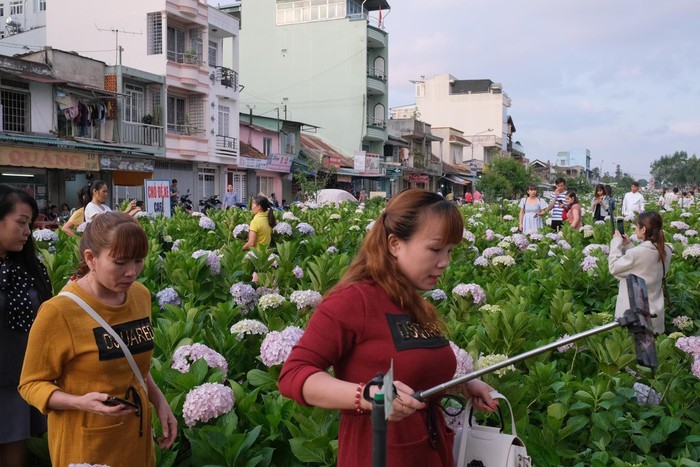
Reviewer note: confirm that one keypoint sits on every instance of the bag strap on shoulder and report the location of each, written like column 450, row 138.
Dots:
column 127, row 353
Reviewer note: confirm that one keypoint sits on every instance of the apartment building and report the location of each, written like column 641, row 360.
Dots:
column 478, row 108
column 181, row 40
column 323, row 62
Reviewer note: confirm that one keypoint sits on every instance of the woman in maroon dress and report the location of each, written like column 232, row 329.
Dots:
column 376, row 315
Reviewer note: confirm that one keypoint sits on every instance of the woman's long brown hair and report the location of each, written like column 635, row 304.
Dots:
column 654, row 225
column 404, row 216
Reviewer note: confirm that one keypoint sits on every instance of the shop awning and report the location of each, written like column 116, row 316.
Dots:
column 69, row 144
column 458, row 180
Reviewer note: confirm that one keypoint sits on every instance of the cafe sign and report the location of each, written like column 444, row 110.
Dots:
column 418, row 178
column 49, row 159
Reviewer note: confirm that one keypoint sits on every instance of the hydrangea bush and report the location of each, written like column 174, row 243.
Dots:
column 503, row 294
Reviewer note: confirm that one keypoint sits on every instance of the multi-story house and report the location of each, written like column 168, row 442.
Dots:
column 419, row 168
column 60, row 127
column 323, row 62
column 578, row 161
column 478, row 108
column 183, row 41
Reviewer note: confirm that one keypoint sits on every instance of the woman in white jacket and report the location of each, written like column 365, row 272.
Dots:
column 649, row 260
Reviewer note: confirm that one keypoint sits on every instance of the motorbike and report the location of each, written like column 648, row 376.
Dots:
column 213, row 202
column 185, row 203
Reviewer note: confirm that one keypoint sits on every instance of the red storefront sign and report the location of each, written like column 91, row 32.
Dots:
column 418, row 178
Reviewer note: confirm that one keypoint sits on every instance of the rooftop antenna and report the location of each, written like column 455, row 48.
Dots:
column 117, row 48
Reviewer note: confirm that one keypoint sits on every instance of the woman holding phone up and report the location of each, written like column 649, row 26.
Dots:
column 74, row 366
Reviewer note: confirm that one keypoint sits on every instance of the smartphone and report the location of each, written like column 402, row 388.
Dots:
column 113, row 401
column 621, row 226
column 139, row 204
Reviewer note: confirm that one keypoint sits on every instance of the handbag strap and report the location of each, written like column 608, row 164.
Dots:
column 127, row 353
column 468, row 411
column 665, row 287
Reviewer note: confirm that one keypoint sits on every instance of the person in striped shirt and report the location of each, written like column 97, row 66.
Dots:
column 557, row 205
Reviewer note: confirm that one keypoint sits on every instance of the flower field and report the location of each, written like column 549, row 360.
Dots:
column 225, row 320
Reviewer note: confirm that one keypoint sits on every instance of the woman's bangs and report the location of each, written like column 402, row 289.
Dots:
column 129, row 242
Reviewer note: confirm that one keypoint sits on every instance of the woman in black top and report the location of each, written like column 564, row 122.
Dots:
column 599, row 206
column 24, row 285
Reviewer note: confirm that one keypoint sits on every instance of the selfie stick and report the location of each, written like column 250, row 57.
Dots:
column 637, row 320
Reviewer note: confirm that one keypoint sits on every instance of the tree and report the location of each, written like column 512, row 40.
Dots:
column 506, row 178
column 580, row 184
column 676, row 170
column 618, row 173
column 315, row 178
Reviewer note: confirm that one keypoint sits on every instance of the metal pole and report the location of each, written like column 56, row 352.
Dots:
column 378, row 431
column 423, row 395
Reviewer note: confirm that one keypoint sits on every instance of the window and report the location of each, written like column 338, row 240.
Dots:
column 456, row 155
column 155, row 33
column 207, row 182
column 213, row 53
column 301, row 11
column 176, row 44
column 2, row 10
column 379, row 67
column 15, row 111
column 176, row 115
column 267, row 147
column 224, row 120
column 289, row 143
column 266, row 185
column 239, row 180
column 420, row 89
column 196, row 49
column 16, row 7
column 41, row 5
column 133, row 103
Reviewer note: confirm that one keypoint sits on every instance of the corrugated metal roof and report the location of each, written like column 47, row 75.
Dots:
column 317, row 147
column 67, row 144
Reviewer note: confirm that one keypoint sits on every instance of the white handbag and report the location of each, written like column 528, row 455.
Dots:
column 485, row 446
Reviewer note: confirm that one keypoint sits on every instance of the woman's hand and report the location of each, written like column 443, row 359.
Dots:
column 95, row 402
column 479, row 393
column 404, row 403
column 168, row 424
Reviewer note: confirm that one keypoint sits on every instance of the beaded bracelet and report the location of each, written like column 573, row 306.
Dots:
column 358, row 395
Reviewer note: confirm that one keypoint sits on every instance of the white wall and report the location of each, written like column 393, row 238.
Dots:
column 42, row 107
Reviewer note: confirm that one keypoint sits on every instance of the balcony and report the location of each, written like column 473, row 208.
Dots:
column 376, row 81
column 185, row 129
column 376, row 129
column 226, row 146
column 142, row 134
column 226, row 77
column 376, row 38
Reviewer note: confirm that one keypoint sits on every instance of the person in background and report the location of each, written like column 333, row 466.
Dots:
column 530, row 207
column 52, row 214
column 99, row 194
column 573, row 216
column 363, row 196
column 78, row 216
column 230, row 198
column 633, row 202
column 662, row 197
column 600, row 203
column 478, row 198
column 376, row 315
column 557, row 205
column 261, row 226
column 670, row 198
column 450, row 196
column 649, row 260
column 468, row 198
column 273, row 201
column 73, row 365
column 174, row 192
column 65, row 211
column 24, row 285
column 685, row 200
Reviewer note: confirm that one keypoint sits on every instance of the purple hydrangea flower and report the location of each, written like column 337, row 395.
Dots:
column 646, row 395
column 332, row 249
column 206, row 223
column 188, row 354
column 241, row 231
column 213, row 260
column 436, row 294
column 283, row 228
column 305, row 228
column 473, row 290
column 465, row 363
column 207, row 402
column 44, row 235
column 305, row 298
column 589, row 262
column 689, row 345
column 298, row 272
column 277, row 345
column 481, row 261
column 492, row 251
column 170, row 296
column 244, row 295
column 489, row 235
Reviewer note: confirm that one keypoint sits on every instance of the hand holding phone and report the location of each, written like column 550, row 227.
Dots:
column 621, row 226
column 113, row 401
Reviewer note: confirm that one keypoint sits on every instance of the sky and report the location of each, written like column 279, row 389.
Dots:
column 618, row 77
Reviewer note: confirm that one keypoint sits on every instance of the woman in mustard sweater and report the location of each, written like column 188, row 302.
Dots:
column 72, row 365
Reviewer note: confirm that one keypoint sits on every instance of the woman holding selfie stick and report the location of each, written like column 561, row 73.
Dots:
column 649, row 260
column 74, row 366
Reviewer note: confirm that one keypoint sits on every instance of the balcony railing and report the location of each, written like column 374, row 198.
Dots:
column 226, row 142
column 376, row 72
column 226, row 76
column 376, row 122
column 142, row 134
column 190, row 57
column 182, row 129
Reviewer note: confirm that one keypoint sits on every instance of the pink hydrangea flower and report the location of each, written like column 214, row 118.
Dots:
column 207, row 402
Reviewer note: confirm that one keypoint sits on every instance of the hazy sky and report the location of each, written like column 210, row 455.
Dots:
column 619, row 77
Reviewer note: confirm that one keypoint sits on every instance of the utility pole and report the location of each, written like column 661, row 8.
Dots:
column 117, row 48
